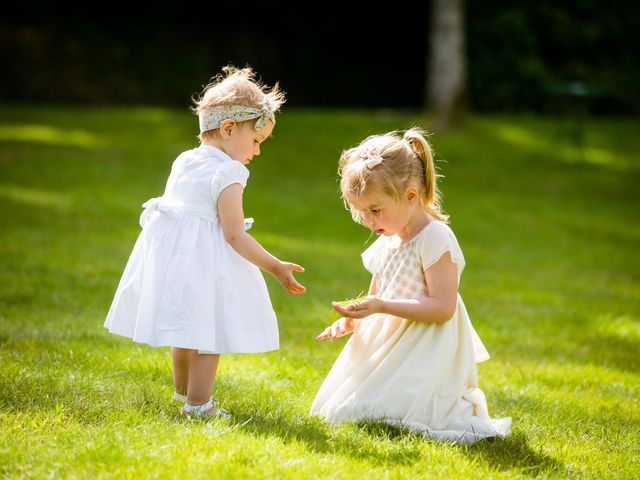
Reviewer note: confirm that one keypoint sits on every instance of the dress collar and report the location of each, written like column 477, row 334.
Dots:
column 394, row 242
column 215, row 151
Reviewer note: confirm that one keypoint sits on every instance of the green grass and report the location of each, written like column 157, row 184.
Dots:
column 552, row 286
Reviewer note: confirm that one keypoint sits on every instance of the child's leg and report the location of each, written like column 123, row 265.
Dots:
column 181, row 358
column 202, row 373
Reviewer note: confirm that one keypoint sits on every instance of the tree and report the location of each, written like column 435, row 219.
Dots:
column 446, row 76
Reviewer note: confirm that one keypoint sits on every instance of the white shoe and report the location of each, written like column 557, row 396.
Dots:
column 207, row 410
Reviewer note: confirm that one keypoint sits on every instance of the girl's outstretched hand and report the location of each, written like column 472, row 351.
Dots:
column 283, row 273
column 359, row 309
column 338, row 329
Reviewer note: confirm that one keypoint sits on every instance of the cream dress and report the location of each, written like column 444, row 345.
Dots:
column 421, row 376
column 184, row 285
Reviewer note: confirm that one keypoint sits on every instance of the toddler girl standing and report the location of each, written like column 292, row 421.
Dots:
column 192, row 281
column 412, row 357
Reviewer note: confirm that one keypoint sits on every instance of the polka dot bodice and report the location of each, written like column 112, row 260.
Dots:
column 399, row 268
column 400, row 275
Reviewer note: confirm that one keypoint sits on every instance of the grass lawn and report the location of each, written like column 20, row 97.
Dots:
column 552, row 285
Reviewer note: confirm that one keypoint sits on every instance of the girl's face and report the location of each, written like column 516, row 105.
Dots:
column 243, row 141
column 382, row 213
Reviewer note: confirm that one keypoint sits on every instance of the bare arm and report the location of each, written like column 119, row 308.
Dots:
column 437, row 307
column 373, row 288
column 232, row 222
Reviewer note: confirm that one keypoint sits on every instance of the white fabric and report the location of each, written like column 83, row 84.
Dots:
column 419, row 375
column 184, row 285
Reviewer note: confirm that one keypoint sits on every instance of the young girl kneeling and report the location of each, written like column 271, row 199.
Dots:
column 411, row 360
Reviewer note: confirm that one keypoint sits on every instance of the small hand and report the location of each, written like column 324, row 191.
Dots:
column 284, row 275
column 338, row 329
column 361, row 309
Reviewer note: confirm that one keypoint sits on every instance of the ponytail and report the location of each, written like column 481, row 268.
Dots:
column 415, row 137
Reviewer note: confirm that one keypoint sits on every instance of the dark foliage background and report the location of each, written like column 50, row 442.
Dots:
column 521, row 55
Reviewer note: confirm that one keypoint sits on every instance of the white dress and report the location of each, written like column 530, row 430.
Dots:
column 418, row 375
column 184, row 285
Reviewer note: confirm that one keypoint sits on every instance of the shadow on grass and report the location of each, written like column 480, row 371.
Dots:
column 258, row 412
column 376, row 443
column 386, row 444
column 512, row 453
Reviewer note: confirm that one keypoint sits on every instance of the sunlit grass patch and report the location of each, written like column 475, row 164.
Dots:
column 48, row 134
column 551, row 285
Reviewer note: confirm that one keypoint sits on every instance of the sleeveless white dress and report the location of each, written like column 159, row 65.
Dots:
column 184, row 285
column 418, row 375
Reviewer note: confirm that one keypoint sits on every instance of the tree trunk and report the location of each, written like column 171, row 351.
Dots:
column 446, row 77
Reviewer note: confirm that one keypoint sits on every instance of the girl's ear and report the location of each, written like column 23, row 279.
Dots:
column 412, row 194
column 226, row 128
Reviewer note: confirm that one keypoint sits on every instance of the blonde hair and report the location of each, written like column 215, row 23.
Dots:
column 399, row 161
column 237, row 86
